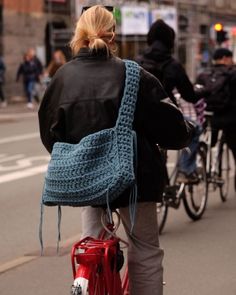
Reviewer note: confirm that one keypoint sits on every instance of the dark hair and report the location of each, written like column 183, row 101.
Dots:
column 162, row 32
column 222, row 52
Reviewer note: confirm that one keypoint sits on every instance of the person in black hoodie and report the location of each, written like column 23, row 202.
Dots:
column 158, row 60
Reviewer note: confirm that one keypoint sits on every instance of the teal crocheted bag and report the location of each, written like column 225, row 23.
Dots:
column 101, row 166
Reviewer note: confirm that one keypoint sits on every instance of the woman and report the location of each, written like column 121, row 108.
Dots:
column 57, row 61
column 82, row 98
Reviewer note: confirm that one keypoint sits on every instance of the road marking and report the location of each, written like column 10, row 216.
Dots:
column 17, row 262
column 11, row 158
column 23, row 173
column 15, row 116
column 23, row 163
column 29, row 257
column 19, row 137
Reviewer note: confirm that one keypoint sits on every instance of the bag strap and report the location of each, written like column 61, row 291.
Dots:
column 128, row 102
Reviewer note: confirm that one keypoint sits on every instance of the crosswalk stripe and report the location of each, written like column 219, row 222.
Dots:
column 22, row 174
column 19, row 137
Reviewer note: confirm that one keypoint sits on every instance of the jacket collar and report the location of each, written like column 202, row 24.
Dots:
column 86, row 53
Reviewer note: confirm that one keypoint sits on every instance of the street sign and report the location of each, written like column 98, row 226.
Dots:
column 168, row 14
column 134, row 20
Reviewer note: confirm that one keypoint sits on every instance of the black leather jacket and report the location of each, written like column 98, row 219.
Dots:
column 84, row 96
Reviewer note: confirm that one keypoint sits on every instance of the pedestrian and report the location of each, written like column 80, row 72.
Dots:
column 223, row 101
column 39, row 67
column 58, row 60
column 84, row 97
column 2, row 80
column 29, row 72
column 158, row 60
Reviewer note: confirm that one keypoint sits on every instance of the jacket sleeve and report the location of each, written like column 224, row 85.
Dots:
column 176, row 77
column 160, row 122
column 51, row 116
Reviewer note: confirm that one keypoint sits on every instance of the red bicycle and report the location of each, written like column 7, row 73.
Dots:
column 96, row 263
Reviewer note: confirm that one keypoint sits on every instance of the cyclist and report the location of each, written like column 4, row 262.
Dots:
column 158, row 60
column 223, row 118
column 83, row 97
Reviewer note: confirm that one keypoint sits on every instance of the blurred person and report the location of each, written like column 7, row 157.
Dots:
column 29, row 72
column 158, row 60
column 34, row 59
column 69, row 112
column 2, row 80
column 58, row 59
column 223, row 102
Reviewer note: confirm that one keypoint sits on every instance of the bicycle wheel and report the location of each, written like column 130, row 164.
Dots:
column 224, row 171
column 93, row 285
column 162, row 212
column 195, row 195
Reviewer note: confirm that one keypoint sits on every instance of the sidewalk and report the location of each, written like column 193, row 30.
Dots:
column 17, row 110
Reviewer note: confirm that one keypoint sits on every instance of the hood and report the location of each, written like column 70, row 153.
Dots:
column 158, row 52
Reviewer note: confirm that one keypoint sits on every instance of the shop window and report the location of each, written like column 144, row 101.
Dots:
column 57, row 6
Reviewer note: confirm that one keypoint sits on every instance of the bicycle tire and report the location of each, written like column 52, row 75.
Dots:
column 224, row 171
column 195, row 195
column 94, row 285
column 162, row 212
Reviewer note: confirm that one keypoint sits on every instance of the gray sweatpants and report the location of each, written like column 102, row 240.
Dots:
column 144, row 252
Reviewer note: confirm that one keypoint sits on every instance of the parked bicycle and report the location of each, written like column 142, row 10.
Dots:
column 96, row 263
column 194, row 194
column 216, row 159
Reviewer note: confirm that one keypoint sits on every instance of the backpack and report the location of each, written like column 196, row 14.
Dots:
column 153, row 67
column 157, row 69
column 217, row 84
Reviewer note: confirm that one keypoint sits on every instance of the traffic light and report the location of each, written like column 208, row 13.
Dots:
column 221, row 34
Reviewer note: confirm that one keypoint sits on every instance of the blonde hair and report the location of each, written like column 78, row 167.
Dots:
column 95, row 30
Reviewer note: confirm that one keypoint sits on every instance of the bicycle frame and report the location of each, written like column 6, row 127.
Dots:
column 212, row 166
column 176, row 191
column 193, row 200
column 95, row 266
column 217, row 164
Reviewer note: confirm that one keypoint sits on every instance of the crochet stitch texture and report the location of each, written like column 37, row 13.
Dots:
column 101, row 166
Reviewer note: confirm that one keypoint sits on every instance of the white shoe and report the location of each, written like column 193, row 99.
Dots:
column 30, row 105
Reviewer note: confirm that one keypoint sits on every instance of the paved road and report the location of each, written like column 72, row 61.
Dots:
column 199, row 256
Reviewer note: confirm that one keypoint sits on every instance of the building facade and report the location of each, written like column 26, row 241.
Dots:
column 196, row 35
column 30, row 24
column 48, row 24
